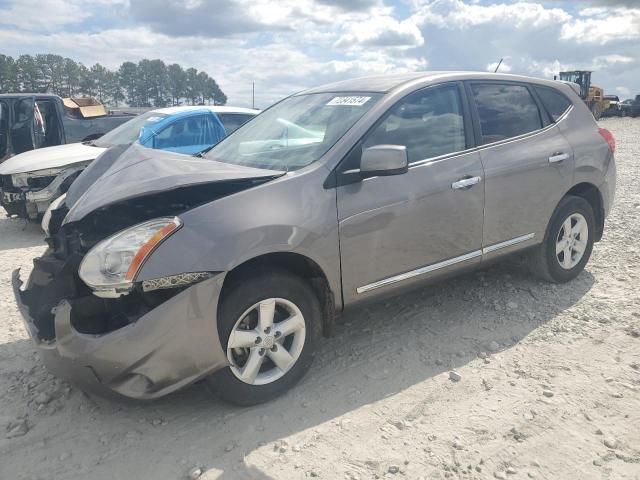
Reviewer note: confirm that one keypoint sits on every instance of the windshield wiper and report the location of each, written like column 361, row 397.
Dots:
column 203, row 152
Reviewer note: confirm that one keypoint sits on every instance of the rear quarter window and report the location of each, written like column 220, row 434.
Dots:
column 233, row 121
column 505, row 111
column 554, row 102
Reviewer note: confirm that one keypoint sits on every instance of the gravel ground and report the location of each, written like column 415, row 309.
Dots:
column 545, row 384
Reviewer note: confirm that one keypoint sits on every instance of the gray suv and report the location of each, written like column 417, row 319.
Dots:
column 167, row 270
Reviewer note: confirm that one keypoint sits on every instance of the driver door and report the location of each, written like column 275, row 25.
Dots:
column 22, row 132
column 401, row 229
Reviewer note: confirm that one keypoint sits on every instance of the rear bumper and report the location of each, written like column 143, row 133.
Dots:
column 171, row 346
column 608, row 187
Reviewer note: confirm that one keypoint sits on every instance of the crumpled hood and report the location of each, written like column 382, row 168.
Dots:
column 140, row 171
column 50, row 157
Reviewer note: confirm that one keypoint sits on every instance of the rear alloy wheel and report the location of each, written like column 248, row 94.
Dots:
column 568, row 242
column 572, row 241
column 269, row 326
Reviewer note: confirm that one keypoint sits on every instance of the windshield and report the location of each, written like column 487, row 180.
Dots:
column 295, row 132
column 128, row 132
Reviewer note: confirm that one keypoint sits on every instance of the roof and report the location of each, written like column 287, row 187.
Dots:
column 22, row 95
column 212, row 108
column 386, row 83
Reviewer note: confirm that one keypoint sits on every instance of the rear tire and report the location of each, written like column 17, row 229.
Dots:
column 565, row 250
column 282, row 353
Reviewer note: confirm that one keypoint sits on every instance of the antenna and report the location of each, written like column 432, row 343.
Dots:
column 499, row 63
column 253, row 95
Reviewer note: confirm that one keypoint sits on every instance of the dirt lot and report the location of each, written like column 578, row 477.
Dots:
column 549, row 387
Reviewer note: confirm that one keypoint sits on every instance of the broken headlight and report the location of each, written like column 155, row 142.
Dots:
column 111, row 266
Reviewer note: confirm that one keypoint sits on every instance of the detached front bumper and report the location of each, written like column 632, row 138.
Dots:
column 170, row 346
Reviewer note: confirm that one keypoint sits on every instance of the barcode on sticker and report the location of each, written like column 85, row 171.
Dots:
column 352, row 101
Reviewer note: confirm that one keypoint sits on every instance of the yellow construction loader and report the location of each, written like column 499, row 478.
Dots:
column 592, row 95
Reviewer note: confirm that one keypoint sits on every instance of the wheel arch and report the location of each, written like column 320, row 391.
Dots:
column 296, row 264
column 591, row 194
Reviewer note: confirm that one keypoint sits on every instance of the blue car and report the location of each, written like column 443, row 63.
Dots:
column 189, row 130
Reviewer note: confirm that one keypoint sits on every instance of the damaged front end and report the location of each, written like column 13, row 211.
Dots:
column 29, row 194
column 100, row 327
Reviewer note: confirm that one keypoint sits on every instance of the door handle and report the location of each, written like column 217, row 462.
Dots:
column 558, row 157
column 465, row 183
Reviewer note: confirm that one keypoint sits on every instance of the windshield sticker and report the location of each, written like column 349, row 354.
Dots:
column 349, row 101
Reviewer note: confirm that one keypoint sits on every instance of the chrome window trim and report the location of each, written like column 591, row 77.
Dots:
column 443, row 264
column 420, row 271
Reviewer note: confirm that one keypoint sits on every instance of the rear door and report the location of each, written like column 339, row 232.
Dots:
column 396, row 230
column 23, row 130
column 528, row 163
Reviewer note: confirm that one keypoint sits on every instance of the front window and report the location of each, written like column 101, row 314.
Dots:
column 128, row 132
column 295, row 132
column 429, row 123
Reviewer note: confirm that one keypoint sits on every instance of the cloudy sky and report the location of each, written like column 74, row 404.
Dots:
column 288, row 45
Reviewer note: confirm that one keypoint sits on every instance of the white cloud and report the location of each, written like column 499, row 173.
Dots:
column 602, row 26
column 381, row 31
column 50, row 15
column 458, row 14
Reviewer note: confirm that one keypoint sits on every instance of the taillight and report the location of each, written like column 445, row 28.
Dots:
column 608, row 137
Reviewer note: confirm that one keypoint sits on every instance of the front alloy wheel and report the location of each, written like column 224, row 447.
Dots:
column 266, row 341
column 269, row 322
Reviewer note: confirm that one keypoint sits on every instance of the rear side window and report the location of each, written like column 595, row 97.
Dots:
column 428, row 122
column 233, row 121
column 555, row 103
column 505, row 111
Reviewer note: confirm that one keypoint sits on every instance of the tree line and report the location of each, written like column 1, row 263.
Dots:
column 144, row 84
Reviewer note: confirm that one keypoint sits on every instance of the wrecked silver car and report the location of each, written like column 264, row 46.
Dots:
column 163, row 269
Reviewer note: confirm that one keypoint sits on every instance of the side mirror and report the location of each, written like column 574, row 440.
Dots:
column 145, row 137
column 384, row 160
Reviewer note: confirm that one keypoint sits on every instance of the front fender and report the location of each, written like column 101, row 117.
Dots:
column 291, row 214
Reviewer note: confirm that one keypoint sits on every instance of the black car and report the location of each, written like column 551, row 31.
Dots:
column 630, row 107
column 31, row 120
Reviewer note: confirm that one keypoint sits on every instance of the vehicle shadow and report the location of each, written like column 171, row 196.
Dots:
column 376, row 352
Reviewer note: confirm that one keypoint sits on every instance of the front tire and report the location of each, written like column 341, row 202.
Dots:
column 568, row 242
column 269, row 325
